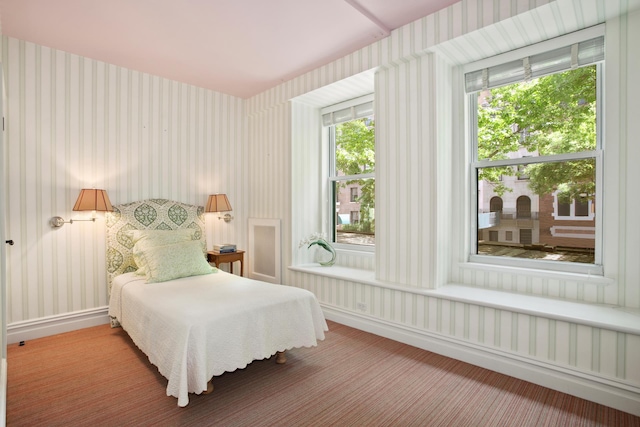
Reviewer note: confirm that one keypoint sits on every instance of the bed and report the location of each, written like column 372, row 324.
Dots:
column 193, row 321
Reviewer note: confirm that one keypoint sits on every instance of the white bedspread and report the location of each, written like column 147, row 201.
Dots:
column 198, row 327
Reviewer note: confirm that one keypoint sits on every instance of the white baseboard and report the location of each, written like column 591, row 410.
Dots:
column 618, row 395
column 52, row 325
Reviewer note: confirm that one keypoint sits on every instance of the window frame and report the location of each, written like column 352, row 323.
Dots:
column 473, row 164
column 331, row 178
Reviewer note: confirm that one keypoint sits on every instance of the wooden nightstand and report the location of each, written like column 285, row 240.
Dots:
column 220, row 258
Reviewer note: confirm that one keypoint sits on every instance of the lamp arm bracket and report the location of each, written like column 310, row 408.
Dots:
column 58, row 221
column 226, row 217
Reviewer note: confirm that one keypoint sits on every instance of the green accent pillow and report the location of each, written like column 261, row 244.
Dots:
column 173, row 261
column 145, row 239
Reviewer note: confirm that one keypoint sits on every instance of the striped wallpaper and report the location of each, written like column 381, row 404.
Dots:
column 406, row 152
column 419, row 244
column 74, row 122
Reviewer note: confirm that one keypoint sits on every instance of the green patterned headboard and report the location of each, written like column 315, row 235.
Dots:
column 152, row 214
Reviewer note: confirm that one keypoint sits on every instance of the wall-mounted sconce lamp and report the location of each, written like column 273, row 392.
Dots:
column 219, row 203
column 88, row 200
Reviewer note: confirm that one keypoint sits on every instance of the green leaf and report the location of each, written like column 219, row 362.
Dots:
column 551, row 115
column 322, row 244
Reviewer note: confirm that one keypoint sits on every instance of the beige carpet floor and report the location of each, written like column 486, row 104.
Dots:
column 98, row 377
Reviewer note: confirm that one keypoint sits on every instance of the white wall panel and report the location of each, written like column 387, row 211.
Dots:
column 560, row 348
column 543, row 342
column 632, row 368
column 608, row 356
column 405, row 152
column 584, row 345
column 520, row 333
column 630, row 129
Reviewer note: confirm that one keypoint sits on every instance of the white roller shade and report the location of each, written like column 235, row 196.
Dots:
column 358, row 110
column 556, row 60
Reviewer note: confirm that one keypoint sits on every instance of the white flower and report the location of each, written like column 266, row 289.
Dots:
column 311, row 238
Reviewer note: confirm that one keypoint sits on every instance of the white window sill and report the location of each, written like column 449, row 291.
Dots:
column 596, row 315
column 609, row 317
column 341, row 273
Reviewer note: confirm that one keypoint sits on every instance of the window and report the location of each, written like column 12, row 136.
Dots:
column 495, row 204
column 564, row 209
column 351, row 134
column 355, row 217
column 354, row 194
column 536, row 146
column 526, row 236
column 580, row 208
column 523, row 207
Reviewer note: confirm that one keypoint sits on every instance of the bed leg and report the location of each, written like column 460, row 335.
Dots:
column 281, row 357
column 209, row 387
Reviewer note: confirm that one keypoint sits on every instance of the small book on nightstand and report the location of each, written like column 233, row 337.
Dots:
column 224, row 248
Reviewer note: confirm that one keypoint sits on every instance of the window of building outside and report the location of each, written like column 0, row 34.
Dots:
column 537, row 152
column 523, row 207
column 579, row 208
column 355, row 217
column 495, row 204
column 354, row 194
column 564, row 209
column 351, row 133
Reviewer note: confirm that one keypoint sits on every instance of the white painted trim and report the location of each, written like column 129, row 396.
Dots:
column 260, row 250
column 3, row 393
column 615, row 394
column 564, row 231
column 573, row 217
column 574, row 228
column 52, row 325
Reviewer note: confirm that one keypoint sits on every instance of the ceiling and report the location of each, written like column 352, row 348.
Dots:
column 237, row 47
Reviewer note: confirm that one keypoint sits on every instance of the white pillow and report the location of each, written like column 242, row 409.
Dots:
column 173, row 261
column 145, row 239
